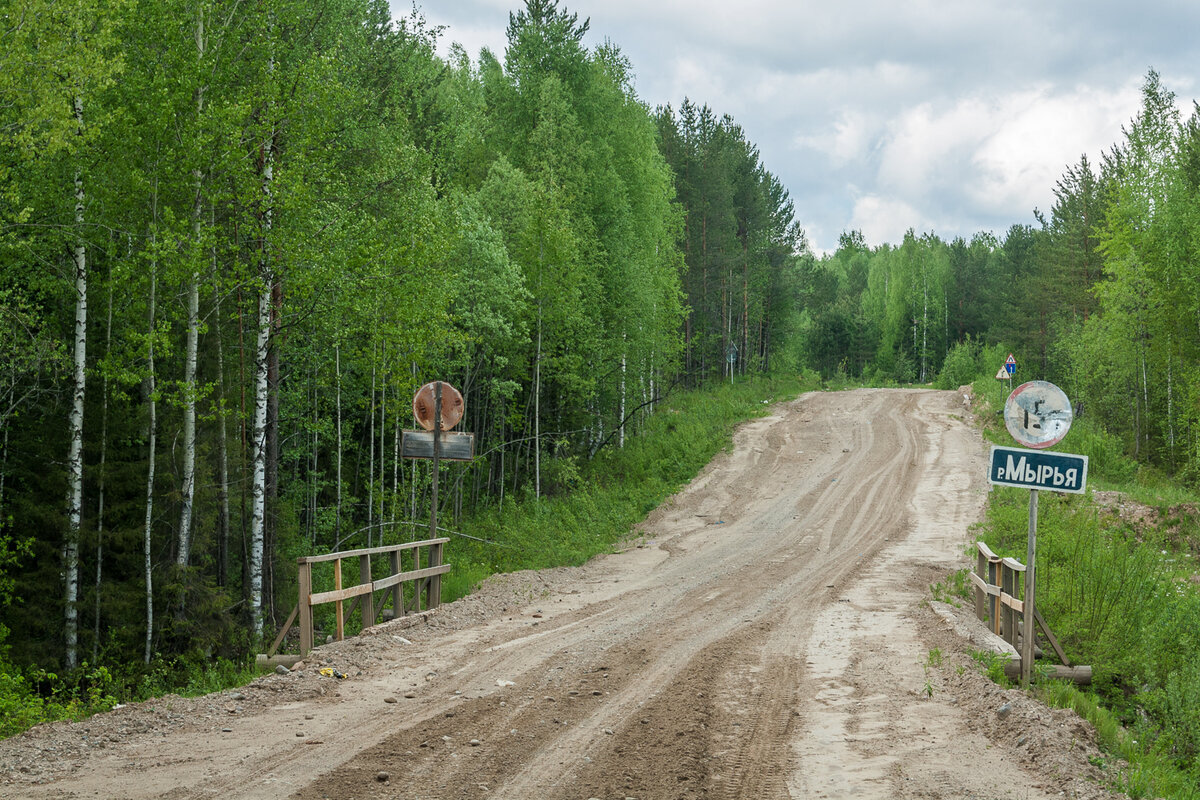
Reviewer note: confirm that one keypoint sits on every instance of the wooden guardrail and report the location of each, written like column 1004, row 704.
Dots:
column 426, row 580
column 998, row 583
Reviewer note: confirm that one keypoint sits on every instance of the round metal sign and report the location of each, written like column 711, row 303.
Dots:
column 1038, row 414
column 424, row 402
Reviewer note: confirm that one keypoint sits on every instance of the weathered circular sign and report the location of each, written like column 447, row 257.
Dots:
column 424, row 405
column 1038, row 414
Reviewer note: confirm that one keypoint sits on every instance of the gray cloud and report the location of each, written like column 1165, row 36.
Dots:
column 944, row 115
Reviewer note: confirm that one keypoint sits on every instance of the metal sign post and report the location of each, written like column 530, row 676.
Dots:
column 1029, row 609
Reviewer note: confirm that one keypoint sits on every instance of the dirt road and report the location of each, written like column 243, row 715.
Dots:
column 766, row 636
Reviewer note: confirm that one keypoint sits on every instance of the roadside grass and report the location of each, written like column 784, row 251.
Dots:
column 953, row 590
column 1121, row 596
column 1144, row 772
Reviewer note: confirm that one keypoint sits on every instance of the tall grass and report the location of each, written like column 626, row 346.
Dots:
column 1116, row 603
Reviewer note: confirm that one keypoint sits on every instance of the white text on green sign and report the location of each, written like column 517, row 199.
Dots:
column 1038, row 469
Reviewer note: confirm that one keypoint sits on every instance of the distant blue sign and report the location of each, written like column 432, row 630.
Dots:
column 1010, row 364
column 1037, row 469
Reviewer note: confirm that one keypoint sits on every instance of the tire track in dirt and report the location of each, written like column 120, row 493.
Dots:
column 713, row 630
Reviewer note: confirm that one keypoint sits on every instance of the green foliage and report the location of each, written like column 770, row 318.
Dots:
column 34, row 696
column 953, row 589
column 992, row 665
column 1141, row 766
column 962, row 365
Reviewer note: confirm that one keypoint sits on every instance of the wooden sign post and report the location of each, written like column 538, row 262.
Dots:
column 438, row 407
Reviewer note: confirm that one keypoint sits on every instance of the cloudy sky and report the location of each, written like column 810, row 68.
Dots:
column 951, row 116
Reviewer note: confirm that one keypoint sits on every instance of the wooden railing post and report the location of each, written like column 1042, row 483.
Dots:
column 994, row 579
column 435, row 582
column 304, row 603
column 368, row 599
column 1008, row 585
column 398, row 589
column 337, row 587
column 980, row 596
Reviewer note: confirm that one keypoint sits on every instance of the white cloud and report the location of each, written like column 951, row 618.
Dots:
column 1040, row 132
column 995, row 157
column 959, row 114
column 848, row 139
column 884, row 219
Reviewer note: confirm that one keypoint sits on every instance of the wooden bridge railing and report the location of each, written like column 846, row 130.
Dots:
column 425, row 579
column 998, row 583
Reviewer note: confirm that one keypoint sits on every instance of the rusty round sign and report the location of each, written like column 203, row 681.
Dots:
column 423, row 405
column 1038, row 414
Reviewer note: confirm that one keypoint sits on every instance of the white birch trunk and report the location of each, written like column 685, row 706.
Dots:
column 147, row 564
column 395, row 466
column 382, row 453
column 412, row 486
column 371, row 457
column 1170, row 397
column 258, row 490
column 537, row 412
column 75, row 423
column 316, row 458
column 188, row 490
column 621, row 418
column 925, row 330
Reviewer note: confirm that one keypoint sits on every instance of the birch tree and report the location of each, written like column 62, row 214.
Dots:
column 58, row 62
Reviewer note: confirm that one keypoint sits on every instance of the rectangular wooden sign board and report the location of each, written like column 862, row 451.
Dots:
column 455, row 446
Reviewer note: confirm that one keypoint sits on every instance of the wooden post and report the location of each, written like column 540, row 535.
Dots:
column 433, row 598
column 337, row 587
column 435, row 582
column 398, row 589
column 994, row 580
column 418, row 585
column 1030, row 608
column 1008, row 585
column 368, row 600
column 305, row 606
column 437, row 454
column 980, row 597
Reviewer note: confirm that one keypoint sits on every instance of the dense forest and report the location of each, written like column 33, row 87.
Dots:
column 235, row 238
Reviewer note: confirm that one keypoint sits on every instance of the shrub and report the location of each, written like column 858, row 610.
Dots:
column 961, row 366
